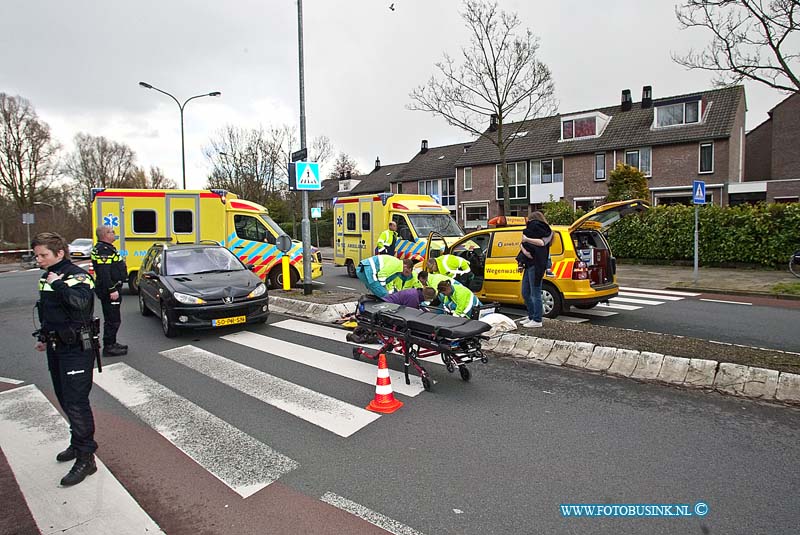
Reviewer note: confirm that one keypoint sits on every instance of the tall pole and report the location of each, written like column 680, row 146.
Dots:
column 183, row 148
column 696, row 272
column 304, row 225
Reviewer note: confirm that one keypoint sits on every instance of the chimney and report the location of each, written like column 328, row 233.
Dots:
column 493, row 122
column 626, row 100
column 341, row 175
column 424, row 148
column 349, row 176
column 377, row 163
column 647, row 96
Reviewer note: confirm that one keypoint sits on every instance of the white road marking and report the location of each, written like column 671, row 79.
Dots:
column 650, row 296
column 595, row 312
column 10, row 381
column 234, row 457
column 328, row 413
column 635, row 301
column 376, row 519
column 31, row 433
column 572, row 319
column 727, row 302
column 347, row 288
column 666, row 292
column 617, row 306
column 329, row 362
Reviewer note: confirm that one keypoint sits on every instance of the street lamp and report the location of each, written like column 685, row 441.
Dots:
column 181, row 106
column 53, row 208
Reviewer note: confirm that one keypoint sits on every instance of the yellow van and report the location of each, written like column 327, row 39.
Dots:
column 583, row 266
column 360, row 219
column 141, row 217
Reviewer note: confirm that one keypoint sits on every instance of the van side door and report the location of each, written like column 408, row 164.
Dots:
column 366, row 226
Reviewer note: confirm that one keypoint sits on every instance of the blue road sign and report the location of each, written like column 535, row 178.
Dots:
column 699, row 192
column 316, row 213
column 308, row 176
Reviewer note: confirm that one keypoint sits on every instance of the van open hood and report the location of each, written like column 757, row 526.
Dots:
column 603, row 216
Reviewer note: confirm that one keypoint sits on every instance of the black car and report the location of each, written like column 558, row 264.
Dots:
column 199, row 286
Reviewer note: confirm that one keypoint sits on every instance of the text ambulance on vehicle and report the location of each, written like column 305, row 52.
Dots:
column 584, row 268
column 360, row 219
column 142, row 217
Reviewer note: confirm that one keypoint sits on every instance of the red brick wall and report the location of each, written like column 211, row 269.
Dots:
column 579, row 176
column 737, row 145
column 786, row 139
column 783, row 188
column 483, row 188
column 758, row 165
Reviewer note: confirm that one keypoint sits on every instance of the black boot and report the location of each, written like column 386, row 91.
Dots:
column 84, row 466
column 121, row 346
column 114, row 350
column 66, row 455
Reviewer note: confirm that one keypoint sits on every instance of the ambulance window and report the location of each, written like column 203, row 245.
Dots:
column 144, row 221
column 351, row 222
column 182, row 221
column 402, row 227
column 365, row 221
column 250, row 228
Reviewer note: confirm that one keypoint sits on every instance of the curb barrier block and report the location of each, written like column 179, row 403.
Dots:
column 731, row 378
column 602, row 358
column 673, row 370
column 506, row 343
column 761, row 383
column 541, row 348
column 523, row 346
column 624, row 362
column 490, row 344
column 701, row 373
column 647, row 366
column 788, row 388
column 580, row 354
column 560, row 353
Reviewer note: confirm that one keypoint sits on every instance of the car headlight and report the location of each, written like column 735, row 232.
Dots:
column 260, row 290
column 187, row 299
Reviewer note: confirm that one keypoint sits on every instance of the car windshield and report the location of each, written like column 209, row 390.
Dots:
column 81, row 242
column 205, row 260
column 424, row 224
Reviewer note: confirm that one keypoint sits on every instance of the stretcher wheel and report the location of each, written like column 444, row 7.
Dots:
column 465, row 373
column 484, row 358
column 450, row 367
column 355, row 353
column 426, row 383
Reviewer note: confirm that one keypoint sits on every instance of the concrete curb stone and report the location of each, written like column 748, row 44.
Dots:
column 506, row 343
column 701, row 373
column 542, row 348
column 524, row 346
column 673, row 370
column 731, row 378
column 602, row 358
column 624, row 362
column 788, row 388
column 490, row 344
column 580, row 354
column 560, row 353
column 761, row 383
column 647, row 366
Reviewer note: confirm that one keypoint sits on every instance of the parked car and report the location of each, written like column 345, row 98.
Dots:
column 583, row 265
column 199, row 286
column 81, row 248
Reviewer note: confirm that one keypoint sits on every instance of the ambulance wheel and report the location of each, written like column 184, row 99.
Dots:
column 351, row 269
column 133, row 288
column 551, row 300
column 276, row 278
column 465, row 374
column 426, row 383
column 170, row 331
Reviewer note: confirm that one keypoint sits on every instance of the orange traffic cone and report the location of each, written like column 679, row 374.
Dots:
column 384, row 401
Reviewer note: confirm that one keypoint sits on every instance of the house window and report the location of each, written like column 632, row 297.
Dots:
column 547, row 171
column 467, row 178
column 632, row 158
column 576, row 128
column 517, row 181
column 567, row 130
column 448, row 192
column 144, row 221
column 679, row 113
column 476, row 215
column 641, row 159
column 399, row 187
column 600, row 166
column 706, row 157
column 428, row 187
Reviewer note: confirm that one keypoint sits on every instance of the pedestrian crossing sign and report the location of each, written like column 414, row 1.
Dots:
column 699, row 192
column 307, row 174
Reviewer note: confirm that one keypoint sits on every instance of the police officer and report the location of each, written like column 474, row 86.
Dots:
column 66, row 304
column 110, row 271
column 387, row 241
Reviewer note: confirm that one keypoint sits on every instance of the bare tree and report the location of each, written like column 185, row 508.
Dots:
column 98, row 162
column 343, row 166
column 751, row 40
column 321, row 150
column 28, row 155
column 156, row 179
column 499, row 78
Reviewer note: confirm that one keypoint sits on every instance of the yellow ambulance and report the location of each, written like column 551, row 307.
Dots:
column 359, row 220
column 141, row 217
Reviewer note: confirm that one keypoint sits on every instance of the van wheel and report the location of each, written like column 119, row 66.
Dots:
column 276, row 278
column 351, row 269
column 133, row 288
column 551, row 300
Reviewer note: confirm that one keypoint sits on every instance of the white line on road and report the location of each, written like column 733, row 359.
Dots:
column 595, row 312
column 329, row 362
column 635, row 301
column 666, row 292
column 650, row 296
column 328, row 413
column 347, row 288
column 617, row 306
column 727, row 302
column 31, row 433
column 10, row 381
column 572, row 319
column 234, row 457
column 376, row 519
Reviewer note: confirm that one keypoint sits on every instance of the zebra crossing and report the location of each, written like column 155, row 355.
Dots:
column 627, row 300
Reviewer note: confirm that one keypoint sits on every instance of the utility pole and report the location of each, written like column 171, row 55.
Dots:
column 305, row 224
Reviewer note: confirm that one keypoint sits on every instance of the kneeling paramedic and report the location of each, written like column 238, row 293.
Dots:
column 376, row 270
column 458, row 299
column 68, row 334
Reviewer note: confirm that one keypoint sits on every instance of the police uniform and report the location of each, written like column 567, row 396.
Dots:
column 111, row 272
column 65, row 309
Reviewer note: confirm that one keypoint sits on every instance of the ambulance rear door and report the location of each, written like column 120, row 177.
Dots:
column 182, row 217
column 110, row 211
column 366, row 225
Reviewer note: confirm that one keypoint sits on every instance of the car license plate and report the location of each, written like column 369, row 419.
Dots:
column 228, row 321
column 77, row 254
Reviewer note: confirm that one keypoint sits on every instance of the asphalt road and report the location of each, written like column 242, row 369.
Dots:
column 495, row 455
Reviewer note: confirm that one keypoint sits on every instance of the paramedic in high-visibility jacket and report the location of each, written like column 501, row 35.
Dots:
column 376, row 270
column 457, row 298
column 387, row 241
column 449, row 264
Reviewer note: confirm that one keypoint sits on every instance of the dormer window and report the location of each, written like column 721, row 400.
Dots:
column 583, row 126
column 519, row 134
column 678, row 113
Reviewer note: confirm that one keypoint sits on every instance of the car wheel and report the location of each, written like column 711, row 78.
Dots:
column 142, row 306
column 551, row 300
column 133, row 288
column 276, row 278
column 351, row 269
column 170, row 331
column 586, row 307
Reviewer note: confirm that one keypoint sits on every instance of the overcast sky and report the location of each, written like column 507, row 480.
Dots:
column 79, row 63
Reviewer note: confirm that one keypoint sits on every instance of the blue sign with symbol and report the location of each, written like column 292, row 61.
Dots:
column 308, row 176
column 699, row 192
column 339, row 221
column 111, row 220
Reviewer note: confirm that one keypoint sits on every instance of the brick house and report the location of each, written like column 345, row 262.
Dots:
column 376, row 181
column 673, row 140
column 772, row 165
